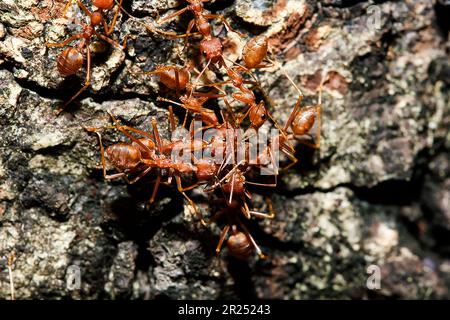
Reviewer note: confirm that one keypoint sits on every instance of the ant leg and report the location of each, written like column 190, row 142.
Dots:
column 270, row 206
column 112, row 42
column 246, row 211
column 213, row 84
column 217, row 184
column 102, row 153
column 291, row 157
column 129, row 136
column 198, row 77
column 177, row 104
column 273, row 185
column 269, row 215
column 116, row 14
column 293, row 113
column 191, row 203
column 215, row 216
column 140, row 176
column 171, row 119
column 157, row 136
column 121, row 128
column 209, row 95
column 65, row 42
column 153, row 29
column 249, row 236
column 297, row 104
column 173, row 15
column 224, row 21
column 230, row 111
column 243, row 116
column 180, row 187
column 66, row 8
column 155, row 189
column 232, row 188
column 82, row 7
column 261, row 215
column 223, row 235
column 188, row 32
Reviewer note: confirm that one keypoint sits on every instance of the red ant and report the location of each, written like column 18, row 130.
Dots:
column 301, row 121
column 240, row 243
column 210, row 46
column 71, row 59
column 253, row 54
column 98, row 14
column 150, row 152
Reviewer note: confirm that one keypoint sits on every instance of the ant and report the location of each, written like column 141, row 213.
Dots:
column 300, row 122
column 210, row 45
column 195, row 105
column 143, row 155
column 240, row 243
column 71, row 59
column 173, row 77
column 253, row 54
column 97, row 15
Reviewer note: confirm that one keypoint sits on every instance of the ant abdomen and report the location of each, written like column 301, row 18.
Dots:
column 69, row 61
column 255, row 51
column 304, row 121
column 169, row 78
column 103, row 4
column 124, row 156
column 240, row 246
column 235, row 184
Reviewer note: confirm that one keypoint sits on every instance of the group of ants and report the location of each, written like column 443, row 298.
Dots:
column 149, row 152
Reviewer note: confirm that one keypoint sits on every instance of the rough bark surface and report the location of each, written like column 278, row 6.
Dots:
column 377, row 191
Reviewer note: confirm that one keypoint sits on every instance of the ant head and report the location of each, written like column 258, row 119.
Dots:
column 185, row 99
column 96, row 18
column 206, row 169
column 235, row 183
column 196, row 5
column 212, row 48
column 103, row 4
